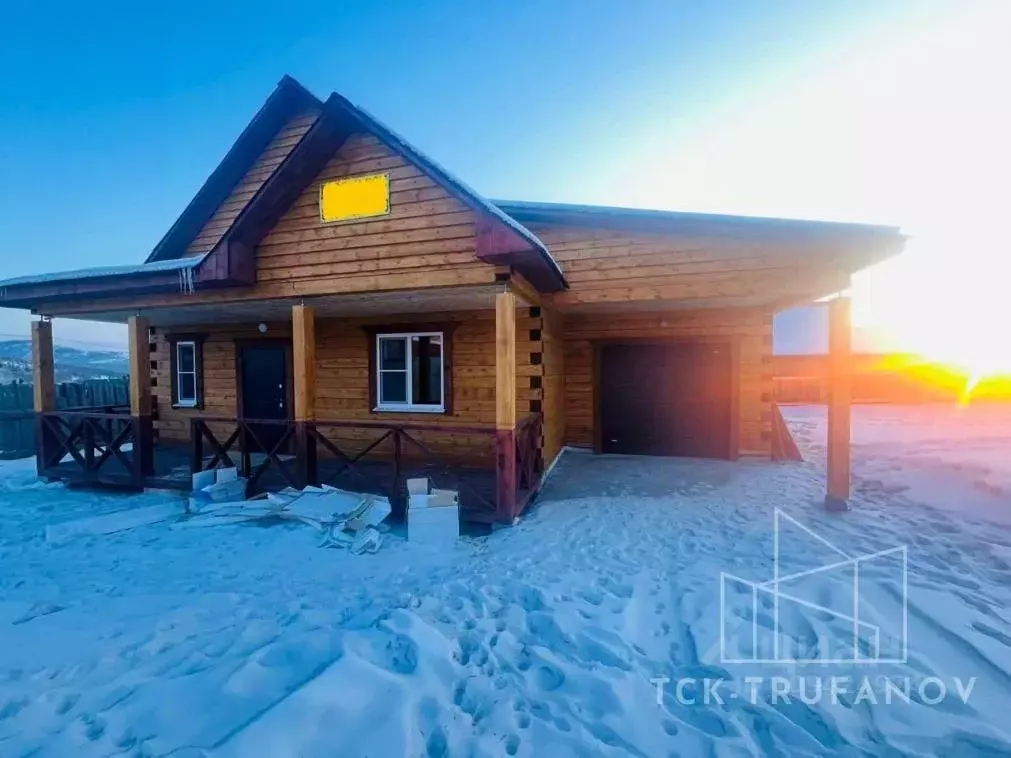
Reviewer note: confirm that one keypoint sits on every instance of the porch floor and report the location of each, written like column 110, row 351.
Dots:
column 476, row 484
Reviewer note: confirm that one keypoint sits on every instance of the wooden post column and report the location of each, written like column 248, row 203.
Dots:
column 303, row 351
column 839, row 404
column 139, row 339
column 44, row 390
column 505, row 404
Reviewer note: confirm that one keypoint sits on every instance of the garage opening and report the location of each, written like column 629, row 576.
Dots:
column 665, row 399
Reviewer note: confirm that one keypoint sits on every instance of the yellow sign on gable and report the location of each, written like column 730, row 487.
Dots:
column 354, row 197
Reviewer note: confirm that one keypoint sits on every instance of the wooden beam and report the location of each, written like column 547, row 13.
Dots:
column 505, row 405
column 303, row 343
column 839, row 349
column 524, row 289
column 139, row 339
column 505, row 360
column 43, row 372
column 140, row 366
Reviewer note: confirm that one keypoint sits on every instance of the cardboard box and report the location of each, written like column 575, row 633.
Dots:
column 418, row 486
column 433, row 526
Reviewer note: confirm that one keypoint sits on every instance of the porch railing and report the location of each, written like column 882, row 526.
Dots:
column 529, row 458
column 109, row 446
column 270, row 438
column 367, row 456
column 103, row 444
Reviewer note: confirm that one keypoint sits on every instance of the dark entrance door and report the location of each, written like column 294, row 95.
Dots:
column 665, row 399
column 263, row 391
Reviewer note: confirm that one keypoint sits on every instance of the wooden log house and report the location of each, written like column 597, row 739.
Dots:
column 333, row 306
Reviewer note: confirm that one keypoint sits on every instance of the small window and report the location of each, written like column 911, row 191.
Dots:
column 186, row 374
column 186, row 355
column 410, row 372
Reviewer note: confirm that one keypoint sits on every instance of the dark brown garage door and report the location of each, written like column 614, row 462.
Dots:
column 665, row 399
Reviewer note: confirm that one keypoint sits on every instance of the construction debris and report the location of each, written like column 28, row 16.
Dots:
column 346, row 519
column 433, row 515
column 222, row 485
column 351, row 520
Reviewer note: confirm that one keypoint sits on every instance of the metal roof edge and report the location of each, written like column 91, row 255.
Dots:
column 529, row 210
column 108, row 272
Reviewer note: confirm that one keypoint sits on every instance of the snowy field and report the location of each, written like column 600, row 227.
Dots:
column 553, row 638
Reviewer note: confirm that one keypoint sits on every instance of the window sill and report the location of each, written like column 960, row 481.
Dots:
column 186, row 406
column 409, row 409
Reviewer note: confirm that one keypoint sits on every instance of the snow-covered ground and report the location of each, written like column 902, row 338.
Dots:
column 954, row 458
column 551, row 638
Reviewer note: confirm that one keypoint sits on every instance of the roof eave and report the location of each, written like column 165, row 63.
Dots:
column 588, row 214
column 228, row 265
column 35, row 297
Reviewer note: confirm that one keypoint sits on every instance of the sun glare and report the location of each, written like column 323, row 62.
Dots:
column 938, row 304
column 945, row 309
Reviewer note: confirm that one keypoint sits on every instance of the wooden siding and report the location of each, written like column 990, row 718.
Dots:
column 342, row 379
column 276, row 151
column 621, row 265
column 428, row 235
column 750, row 328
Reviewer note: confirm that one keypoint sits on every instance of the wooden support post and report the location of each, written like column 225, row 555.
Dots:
column 44, row 391
column 839, row 404
column 505, row 404
column 140, row 366
column 43, row 372
column 139, row 342
column 303, row 351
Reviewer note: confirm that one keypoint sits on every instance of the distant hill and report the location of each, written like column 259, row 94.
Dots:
column 72, row 364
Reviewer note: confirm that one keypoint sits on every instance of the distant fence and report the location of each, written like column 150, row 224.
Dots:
column 883, row 387
column 17, row 416
column 897, row 378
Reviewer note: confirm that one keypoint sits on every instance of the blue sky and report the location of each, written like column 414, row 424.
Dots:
column 111, row 118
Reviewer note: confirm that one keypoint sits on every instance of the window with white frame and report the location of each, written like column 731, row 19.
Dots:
column 186, row 374
column 409, row 372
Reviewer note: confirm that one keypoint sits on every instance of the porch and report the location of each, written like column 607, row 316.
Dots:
column 323, row 422
column 95, row 447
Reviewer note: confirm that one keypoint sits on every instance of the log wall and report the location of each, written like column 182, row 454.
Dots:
column 428, row 238
column 619, row 265
column 342, row 379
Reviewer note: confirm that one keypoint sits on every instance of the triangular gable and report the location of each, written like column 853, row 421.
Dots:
column 499, row 239
column 426, row 230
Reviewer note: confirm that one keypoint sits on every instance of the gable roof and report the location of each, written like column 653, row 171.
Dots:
column 500, row 239
column 287, row 99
